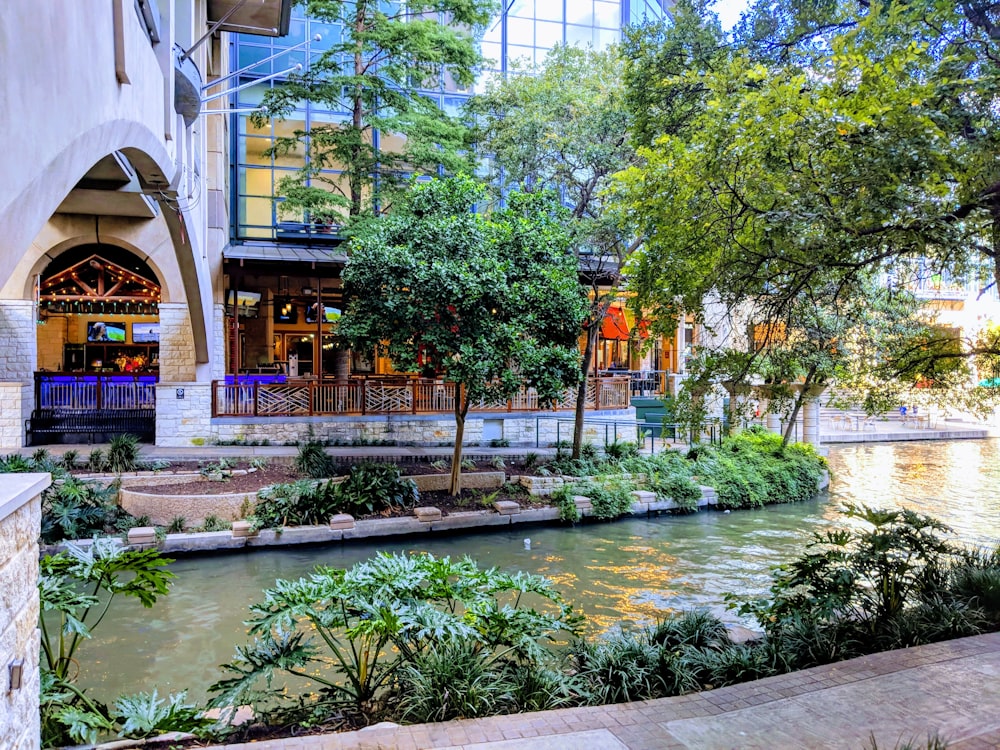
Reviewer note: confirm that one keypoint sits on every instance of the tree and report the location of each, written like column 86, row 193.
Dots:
column 384, row 53
column 565, row 126
column 833, row 144
column 488, row 303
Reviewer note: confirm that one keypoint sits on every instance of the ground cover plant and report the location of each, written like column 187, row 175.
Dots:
column 77, row 588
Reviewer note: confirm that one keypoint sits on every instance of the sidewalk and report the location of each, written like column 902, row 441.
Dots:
column 947, row 688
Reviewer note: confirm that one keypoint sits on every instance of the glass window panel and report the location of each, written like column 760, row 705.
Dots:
column 548, row 35
column 391, row 142
column 288, row 60
column 607, row 15
column 319, row 117
column 296, row 34
column 453, row 104
column 605, row 37
column 494, row 32
column 249, row 55
column 256, row 211
column 256, row 182
column 246, row 126
column 286, row 128
column 296, row 157
column 330, row 33
column 520, row 56
column 549, row 10
column 580, row 12
column 253, row 94
column 520, row 31
column 491, row 51
column 522, row 8
column 252, row 151
column 582, row 35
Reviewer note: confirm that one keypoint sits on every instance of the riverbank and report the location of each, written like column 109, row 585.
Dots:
column 945, row 688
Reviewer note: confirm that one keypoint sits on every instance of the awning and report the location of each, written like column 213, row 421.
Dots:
column 642, row 325
column 273, row 253
column 614, row 326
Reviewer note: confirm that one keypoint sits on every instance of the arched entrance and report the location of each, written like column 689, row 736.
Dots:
column 98, row 347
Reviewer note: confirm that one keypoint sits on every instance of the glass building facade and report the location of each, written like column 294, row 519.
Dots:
column 521, row 35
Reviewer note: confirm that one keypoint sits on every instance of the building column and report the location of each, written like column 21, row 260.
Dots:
column 810, row 422
column 774, row 423
column 18, row 362
column 177, row 356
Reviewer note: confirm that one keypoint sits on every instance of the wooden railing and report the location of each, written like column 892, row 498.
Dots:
column 373, row 396
column 101, row 391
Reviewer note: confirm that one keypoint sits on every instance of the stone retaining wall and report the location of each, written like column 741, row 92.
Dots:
column 20, row 519
column 182, row 422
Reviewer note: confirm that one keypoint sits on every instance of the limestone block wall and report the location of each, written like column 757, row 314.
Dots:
column 18, row 351
column 430, row 430
column 20, row 517
column 183, row 421
column 15, row 407
column 177, row 356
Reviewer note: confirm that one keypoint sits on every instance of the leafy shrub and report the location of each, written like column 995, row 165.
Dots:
column 76, row 589
column 451, row 681
column 177, row 525
column 313, row 460
column 354, row 635
column 123, row 454
column 373, row 486
column 97, row 461
column 695, row 628
column 214, row 523
column 620, row 668
column 610, row 496
column 370, row 487
column 718, row 667
column 620, row 449
column 77, row 509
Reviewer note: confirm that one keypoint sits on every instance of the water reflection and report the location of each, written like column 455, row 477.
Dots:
column 630, row 571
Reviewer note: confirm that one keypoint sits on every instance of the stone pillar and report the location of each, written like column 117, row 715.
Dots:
column 184, row 414
column 810, row 422
column 774, row 423
column 18, row 362
column 16, row 401
column 177, row 359
column 20, row 520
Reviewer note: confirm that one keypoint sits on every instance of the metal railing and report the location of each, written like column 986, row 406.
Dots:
column 664, row 435
column 251, row 398
column 100, row 391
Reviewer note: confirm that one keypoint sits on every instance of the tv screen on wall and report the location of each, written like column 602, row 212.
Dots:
column 106, row 330
column 330, row 314
column 145, row 333
column 248, row 303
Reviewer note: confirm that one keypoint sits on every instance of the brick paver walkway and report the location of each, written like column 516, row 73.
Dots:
column 950, row 688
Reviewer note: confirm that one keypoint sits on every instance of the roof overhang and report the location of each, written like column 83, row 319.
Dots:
column 260, row 17
column 285, row 254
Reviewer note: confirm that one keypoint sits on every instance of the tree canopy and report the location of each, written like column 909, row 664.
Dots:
column 385, row 52
column 490, row 302
column 831, row 146
column 565, row 126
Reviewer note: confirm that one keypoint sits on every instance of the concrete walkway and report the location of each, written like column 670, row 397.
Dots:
column 950, row 688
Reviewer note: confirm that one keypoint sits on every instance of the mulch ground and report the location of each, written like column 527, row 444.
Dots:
column 252, row 481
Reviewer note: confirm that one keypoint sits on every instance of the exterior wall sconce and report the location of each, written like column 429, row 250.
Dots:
column 16, row 671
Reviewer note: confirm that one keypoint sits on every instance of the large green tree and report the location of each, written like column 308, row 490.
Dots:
column 833, row 145
column 383, row 54
column 488, row 302
column 565, row 126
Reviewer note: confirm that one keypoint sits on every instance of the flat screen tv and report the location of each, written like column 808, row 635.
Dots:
column 247, row 303
column 330, row 314
column 145, row 333
column 106, row 330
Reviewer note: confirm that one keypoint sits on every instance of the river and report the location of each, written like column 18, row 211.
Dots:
column 628, row 571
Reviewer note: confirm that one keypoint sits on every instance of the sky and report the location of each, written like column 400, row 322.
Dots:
column 729, row 11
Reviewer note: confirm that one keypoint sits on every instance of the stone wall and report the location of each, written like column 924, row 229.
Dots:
column 15, row 407
column 429, row 430
column 183, row 413
column 20, row 517
column 177, row 358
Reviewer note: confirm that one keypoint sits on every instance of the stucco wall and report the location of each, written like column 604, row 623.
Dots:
column 20, row 516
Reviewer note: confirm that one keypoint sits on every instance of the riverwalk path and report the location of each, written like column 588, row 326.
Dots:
column 949, row 689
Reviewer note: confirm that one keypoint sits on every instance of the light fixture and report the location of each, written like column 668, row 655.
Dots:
column 16, row 672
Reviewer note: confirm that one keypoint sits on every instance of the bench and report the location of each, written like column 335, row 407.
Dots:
column 89, row 422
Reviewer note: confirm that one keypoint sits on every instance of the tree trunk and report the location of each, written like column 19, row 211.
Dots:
column 581, row 393
column 799, row 401
column 357, row 114
column 461, row 409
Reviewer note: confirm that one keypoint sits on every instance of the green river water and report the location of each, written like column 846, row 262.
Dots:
column 628, row 571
